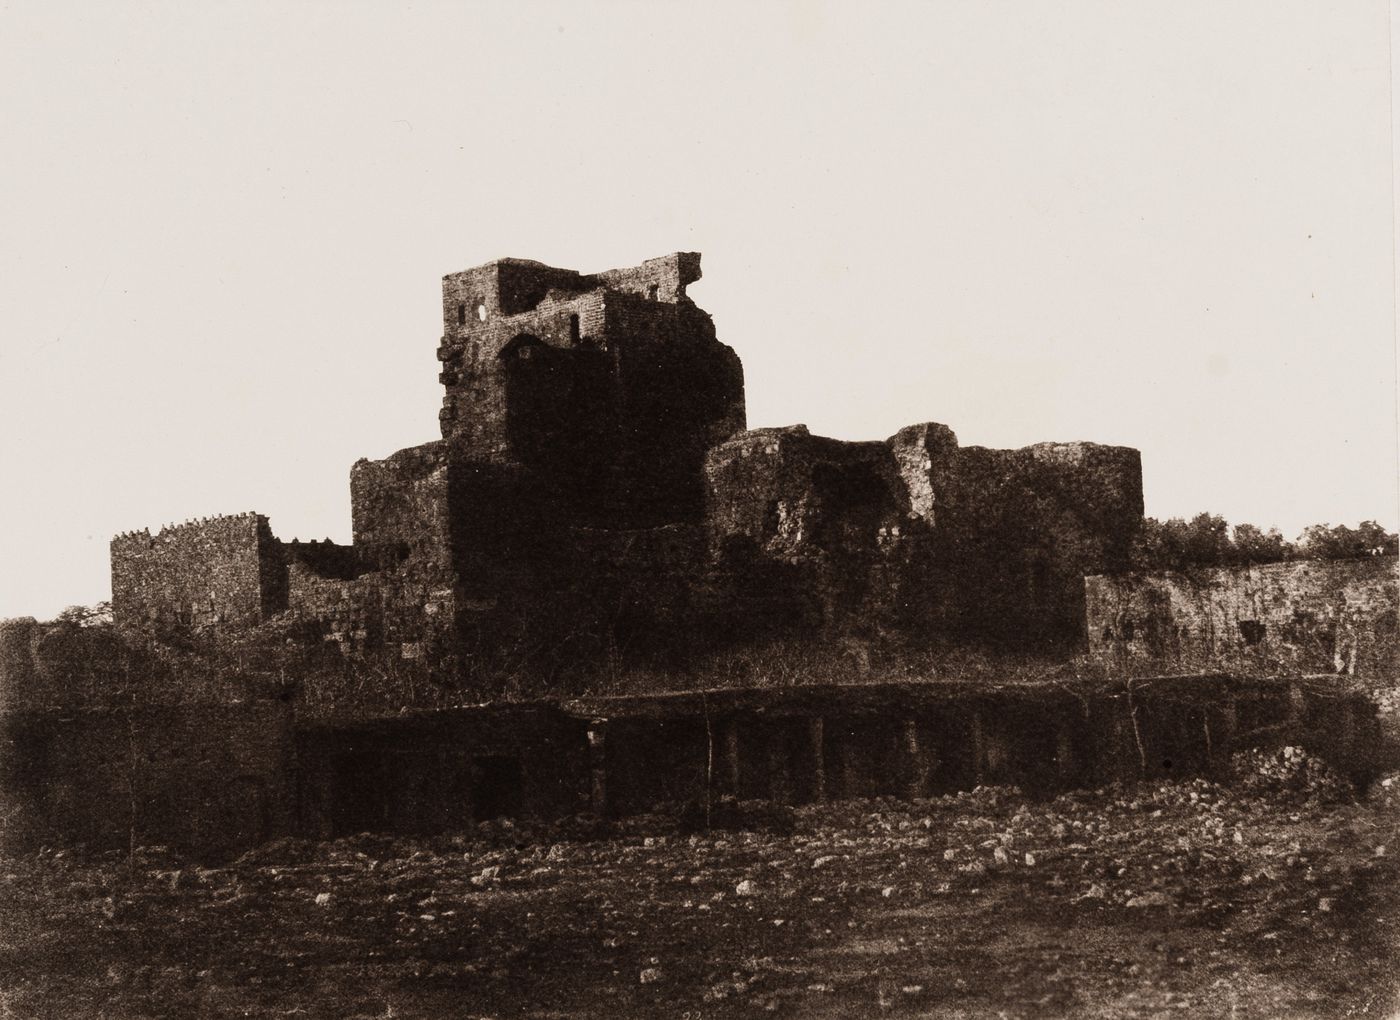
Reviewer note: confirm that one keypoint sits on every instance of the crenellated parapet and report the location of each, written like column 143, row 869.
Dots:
column 222, row 569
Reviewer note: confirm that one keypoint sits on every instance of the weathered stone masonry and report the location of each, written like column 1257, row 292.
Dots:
column 917, row 533
column 612, row 386
column 223, row 570
column 594, row 464
column 1306, row 617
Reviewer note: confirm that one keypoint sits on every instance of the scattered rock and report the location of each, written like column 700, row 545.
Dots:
column 1150, row 899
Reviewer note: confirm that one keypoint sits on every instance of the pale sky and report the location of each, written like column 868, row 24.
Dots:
column 222, row 230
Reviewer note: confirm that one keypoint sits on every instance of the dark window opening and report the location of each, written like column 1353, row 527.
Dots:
column 1252, row 631
column 573, row 329
column 496, row 787
column 854, row 500
column 772, row 517
column 652, row 291
column 1038, row 584
column 358, row 803
column 461, row 315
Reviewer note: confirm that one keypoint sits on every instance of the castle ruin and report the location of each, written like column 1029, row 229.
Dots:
column 596, row 494
column 594, row 453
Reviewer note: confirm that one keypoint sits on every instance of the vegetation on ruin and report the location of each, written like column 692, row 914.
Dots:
column 1208, row 540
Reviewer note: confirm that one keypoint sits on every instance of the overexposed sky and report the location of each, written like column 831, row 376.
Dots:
column 222, row 229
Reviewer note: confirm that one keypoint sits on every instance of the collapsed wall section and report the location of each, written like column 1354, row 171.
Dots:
column 918, row 534
column 1028, row 525
column 1310, row 616
column 403, row 542
column 810, row 532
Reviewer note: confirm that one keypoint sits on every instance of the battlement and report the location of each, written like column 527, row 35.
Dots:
column 226, row 568
column 173, row 530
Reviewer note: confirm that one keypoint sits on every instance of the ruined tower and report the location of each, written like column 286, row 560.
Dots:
column 609, row 387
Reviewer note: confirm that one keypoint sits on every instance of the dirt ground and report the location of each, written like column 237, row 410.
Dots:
column 1275, row 897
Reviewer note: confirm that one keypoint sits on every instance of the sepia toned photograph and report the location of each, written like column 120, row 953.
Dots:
column 640, row 510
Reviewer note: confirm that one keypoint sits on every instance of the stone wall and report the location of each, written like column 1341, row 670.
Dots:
column 440, row 772
column 1028, row 525
column 917, row 534
column 1310, row 616
column 833, row 742
column 219, row 570
column 398, row 507
column 19, row 676
column 659, row 279
column 61, row 666
column 215, row 779
column 207, row 779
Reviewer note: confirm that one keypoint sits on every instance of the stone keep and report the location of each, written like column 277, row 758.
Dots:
column 610, row 387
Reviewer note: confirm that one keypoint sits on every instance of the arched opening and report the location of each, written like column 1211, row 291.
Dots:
column 522, row 346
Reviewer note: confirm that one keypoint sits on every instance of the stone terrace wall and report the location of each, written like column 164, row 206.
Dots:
column 1310, row 616
column 201, row 778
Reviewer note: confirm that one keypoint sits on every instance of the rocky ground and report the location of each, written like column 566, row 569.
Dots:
column 1274, row 897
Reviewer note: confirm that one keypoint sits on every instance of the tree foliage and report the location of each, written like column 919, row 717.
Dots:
column 1208, row 540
